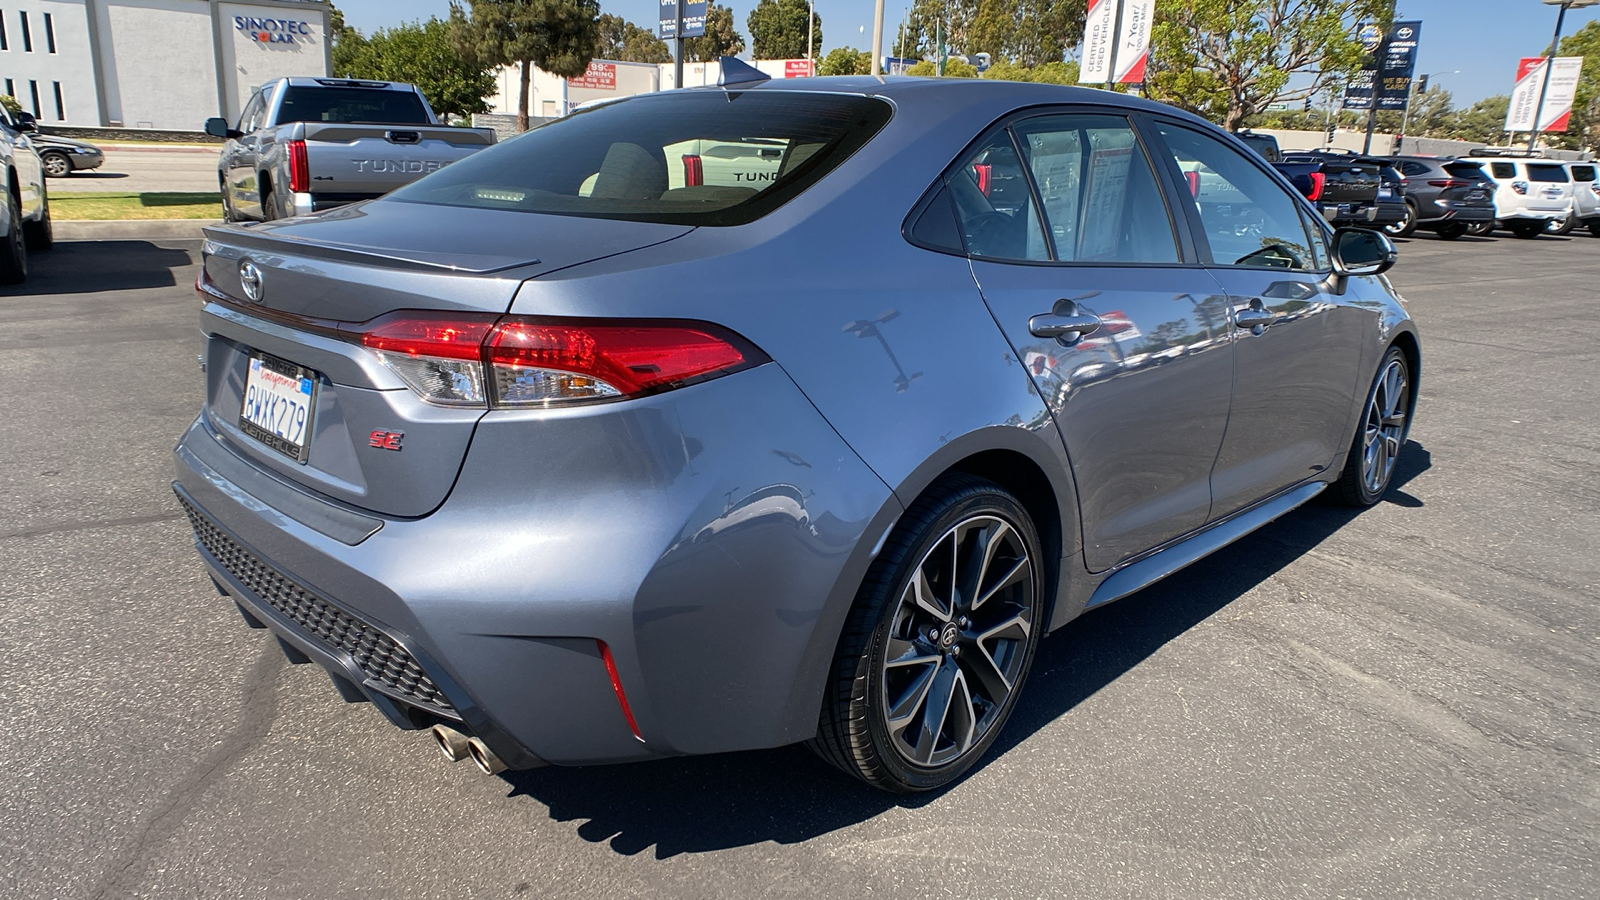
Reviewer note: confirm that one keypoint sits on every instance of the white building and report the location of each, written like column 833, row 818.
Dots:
column 165, row 64
column 550, row 96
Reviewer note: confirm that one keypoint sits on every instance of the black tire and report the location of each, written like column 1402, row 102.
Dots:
column 854, row 730
column 40, row 236
column 228, row 214
column 56, row 165
column 1451, row 231
column 1380, row 435
column 1481, row 229
column 269, row 200
column 13, row 248
column 1561, row 227
column 1405, row 227
column 1594, row 227
column 1527, row 228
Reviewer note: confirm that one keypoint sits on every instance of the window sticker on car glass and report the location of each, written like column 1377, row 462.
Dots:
column 1105, row 199
column 1056, row 158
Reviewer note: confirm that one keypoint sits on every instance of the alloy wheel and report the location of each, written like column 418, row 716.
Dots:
column 56, row 165
column 1385, row 427
column 957, row 641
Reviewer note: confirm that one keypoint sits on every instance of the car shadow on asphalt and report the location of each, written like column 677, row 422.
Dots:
column 84, row 267
column 786, row 795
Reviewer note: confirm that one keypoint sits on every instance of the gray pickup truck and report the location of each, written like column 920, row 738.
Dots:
column 307, row 144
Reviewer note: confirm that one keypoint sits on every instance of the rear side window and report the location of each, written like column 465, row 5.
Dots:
column 1469, row 171
column 691, row 158
column 365, row 106
column 1583, row 173
column 1503, row 169
column 1413, row 168
column 1547, row 174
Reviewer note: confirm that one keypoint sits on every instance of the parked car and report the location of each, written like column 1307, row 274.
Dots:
column 1446, row 196
column 25, row 213
column 62, row 156
column 1345, row 191
column 308, row 144
column 1264, row 144
column 1585, row 198
column 1389, row 204
column 664, row 470
column 1532, row 192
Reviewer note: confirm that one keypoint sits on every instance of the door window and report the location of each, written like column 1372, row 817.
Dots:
column 1249, row 220
column 249, row 120
column 1503, row 169
column 1100, row 198
column 995, row 205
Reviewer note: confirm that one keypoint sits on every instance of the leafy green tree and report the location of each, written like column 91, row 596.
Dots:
column 721, row 37
column 1026, row 31
column 11, row 104
column 1047, row 73
column 845, row 61
column 1485, row 122
column 953, row 68
column 622, row 40
column 1228, row 59
column 558, row 36
column 344, row 42
column 1584, row 129
column 422, row 54
column 778, row 30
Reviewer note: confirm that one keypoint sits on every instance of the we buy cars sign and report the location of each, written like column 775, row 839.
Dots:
column 1557, row 112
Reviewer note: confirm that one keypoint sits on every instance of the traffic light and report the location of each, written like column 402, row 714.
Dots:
column 1308, row 104
column 1422, row 84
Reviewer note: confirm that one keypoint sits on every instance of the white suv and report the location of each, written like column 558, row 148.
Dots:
column 1586, row 195
column 1532, row 192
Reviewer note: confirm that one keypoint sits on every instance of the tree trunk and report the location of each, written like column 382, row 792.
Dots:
column 522, row 99
column 1235, row 118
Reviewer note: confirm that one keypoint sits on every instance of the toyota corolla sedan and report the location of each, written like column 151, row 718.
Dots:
column 587, row 450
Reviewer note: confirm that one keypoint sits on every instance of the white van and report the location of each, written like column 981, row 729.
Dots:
column 1532, row 192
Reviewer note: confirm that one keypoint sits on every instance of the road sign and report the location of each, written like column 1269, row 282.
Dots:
column 1557, row 103
column 694, row 19
column 1386, row 78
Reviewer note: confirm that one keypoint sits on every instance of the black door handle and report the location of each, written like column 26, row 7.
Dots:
column 1065, row 323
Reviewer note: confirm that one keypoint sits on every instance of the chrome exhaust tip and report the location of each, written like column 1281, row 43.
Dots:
column 484, row 758
column 452, row 743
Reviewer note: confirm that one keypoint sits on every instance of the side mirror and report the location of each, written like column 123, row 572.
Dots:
column 26, row 123
column 216, row 126
column 1362, row 251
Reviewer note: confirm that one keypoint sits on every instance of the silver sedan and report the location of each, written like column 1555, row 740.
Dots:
column 773, row 412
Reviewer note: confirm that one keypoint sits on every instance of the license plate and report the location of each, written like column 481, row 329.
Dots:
column 1475, row 195
column 278, row 401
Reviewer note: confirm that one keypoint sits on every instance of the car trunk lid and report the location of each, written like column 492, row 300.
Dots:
column 290, row 340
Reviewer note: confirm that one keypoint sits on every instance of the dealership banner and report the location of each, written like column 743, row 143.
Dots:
column 1557, row 103
column 1120, row 56
column 1386, row 78
column 694, row 19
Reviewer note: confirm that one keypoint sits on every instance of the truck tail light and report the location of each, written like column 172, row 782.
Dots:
column 984, row 173
column 483, row 360
column 694, row 171
column 299, row 168
column 1319, row 182
column 1520, row 187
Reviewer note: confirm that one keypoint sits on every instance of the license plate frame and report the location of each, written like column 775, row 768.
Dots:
column 257, row 370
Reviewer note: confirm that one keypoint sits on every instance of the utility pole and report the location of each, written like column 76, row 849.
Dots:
column 811, row 38
column 1377, row 80
column 877, row 39
column 677, row 39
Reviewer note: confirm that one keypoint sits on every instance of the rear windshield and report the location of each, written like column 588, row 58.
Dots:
column 692, row 157
column 1471, row 171
column 1264, row 144
column 1504, row 170
column 367, row 106
column 1583, row 173
column 1547, row 173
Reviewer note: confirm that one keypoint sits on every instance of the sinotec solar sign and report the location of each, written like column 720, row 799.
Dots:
column 272, row 31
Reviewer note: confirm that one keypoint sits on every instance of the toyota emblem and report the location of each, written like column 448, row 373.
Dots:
column 250, row 280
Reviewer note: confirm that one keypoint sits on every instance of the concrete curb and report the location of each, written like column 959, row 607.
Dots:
column 132, row 230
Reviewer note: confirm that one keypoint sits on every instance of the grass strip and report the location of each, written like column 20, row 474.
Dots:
column 152, row 205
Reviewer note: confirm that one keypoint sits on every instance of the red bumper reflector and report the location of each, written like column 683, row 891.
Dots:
column 616, row 685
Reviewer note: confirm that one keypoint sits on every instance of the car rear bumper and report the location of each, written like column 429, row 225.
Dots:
column 1465, row 215
column 713, row 555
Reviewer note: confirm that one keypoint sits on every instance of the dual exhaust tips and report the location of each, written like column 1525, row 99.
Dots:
column 456, row 746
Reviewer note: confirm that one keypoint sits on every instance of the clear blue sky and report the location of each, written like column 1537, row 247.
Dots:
column 1482, row 38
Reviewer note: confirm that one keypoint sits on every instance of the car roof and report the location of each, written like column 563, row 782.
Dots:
column 911, row 90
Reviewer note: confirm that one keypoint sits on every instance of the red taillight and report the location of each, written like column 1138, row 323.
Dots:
column 1194, row 183
column 539, row 361
column 1450, row 183
column 439, row 335
column 694, row 171
column 453, row 359
column 299, row 168
column 616, row 685
column 1319, row 181
column 984, row 172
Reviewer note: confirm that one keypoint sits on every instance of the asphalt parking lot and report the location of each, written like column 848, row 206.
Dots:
column 1400, row 703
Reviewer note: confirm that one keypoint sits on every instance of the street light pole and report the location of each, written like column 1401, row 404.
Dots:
column 811, row 39
column 877, row 39
column 1550, row 61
